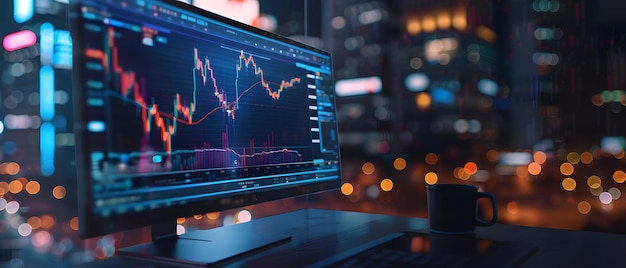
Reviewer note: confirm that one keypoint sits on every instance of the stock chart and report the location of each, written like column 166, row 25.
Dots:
column 176, row 104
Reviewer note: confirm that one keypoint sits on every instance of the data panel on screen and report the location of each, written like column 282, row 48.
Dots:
column 180, row 111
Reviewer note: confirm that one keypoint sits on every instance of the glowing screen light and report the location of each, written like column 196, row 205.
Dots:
column 416, row 82
column 487, row 87
column 18, row 40
column 359, row 86
column 23, row 10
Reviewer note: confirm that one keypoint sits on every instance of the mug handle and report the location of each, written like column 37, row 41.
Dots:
column 494, row 218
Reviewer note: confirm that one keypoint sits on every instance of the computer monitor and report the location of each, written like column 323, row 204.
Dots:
column 179, row 112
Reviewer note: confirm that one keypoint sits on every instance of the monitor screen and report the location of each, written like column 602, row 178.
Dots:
column 180, row 111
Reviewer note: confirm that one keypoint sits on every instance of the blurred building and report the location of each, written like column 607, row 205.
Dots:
column 37, row 181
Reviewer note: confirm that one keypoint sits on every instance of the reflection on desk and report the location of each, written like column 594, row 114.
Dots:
column 321, row 234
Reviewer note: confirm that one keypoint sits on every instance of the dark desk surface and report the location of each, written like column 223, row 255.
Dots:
column 318, row 234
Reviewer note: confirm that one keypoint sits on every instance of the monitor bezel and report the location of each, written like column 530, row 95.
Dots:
column 90, row 226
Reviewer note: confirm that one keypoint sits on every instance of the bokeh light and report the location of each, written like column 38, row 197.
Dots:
column 492, row 155
column 213, row 215
column 59, row 192
column 12, row 168
column 180, row 229
column 413, row 27
column 521, row 171
column 459, row 20
column 584, row 207
column 34, row 222
column 470, row 168
column 428, row 24
column 431, row 159
column 423, row 101
column 573, row 158
column 15, row 186
column 74, row 223
column 605, row 198
column 47, row 222
column 594, row 182
column 615, row 192
column 386, row 185
column 33, row 187
column 399, row 163
column 586, row 158
column 41, row 239
column 619, row 176
column 181, row 220
column 372, row 191
column 597, row 100
column 460, row 174
column 444, row 21
column 596, row 191
column 4, row 188
column 512, row 207
column 368, row 168
column 12, row 207
column 569, row 184
column 540, row 157
column 566, row 169
column 24, row 229
column 243, row 216
column 347, row 188
column 534, row 168
column 431, row 178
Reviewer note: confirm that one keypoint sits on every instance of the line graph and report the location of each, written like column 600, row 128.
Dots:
column 164, row 119
column 206, row 72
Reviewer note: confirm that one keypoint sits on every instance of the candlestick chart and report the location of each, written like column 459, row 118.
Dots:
column 210, row 105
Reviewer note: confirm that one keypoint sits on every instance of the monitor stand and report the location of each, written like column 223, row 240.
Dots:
column 201, row 247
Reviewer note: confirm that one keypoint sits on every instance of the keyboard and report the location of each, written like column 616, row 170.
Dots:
column 412, row 249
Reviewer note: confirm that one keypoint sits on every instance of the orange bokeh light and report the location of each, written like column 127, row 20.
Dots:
column 399, row 163
column 584, row 207
column 413, row 27
column 540, row 157
column 493, row 155
column 33, row 187
column 347, row 188
column 212, row 215
column 470, row 168
column 59, row 192
column 386, row 185
column 619, row 176
column 568, row 184
column 34, row 222
column 12, row 168
column 534, row 168
column 431, row 178
column 566, row 169
column 586, row 158
column 368, row 168
column 432, row 159
column 74, row 223
column 16, row 186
